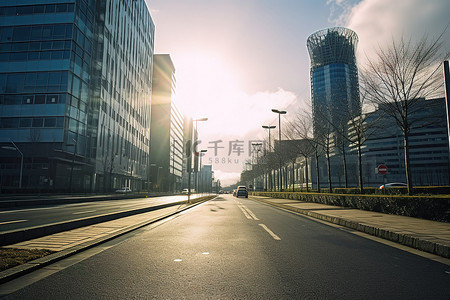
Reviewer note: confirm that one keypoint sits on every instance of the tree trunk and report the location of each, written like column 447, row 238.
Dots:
column 407, row 166
column 293, row 176
column 360, row 179
column 286, row 178
column 317, row 172
column 307, row 176
column 344, row 158
column 329, row 171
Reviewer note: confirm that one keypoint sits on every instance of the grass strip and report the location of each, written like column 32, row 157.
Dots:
column 11, row 257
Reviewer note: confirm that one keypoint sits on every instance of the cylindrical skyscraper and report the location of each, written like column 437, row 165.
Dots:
column 334, row 77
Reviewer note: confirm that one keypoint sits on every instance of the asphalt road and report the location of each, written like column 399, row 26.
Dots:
column 14, row 219
column 231, row 248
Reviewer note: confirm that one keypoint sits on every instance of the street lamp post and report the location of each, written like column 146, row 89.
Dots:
column 15, row 148
column 73, row 162
column 269, row 127
column 279, row 112
column 256, row 149
column 157, row 179
column 201, row 174
column 269, row 179
column 195, row 150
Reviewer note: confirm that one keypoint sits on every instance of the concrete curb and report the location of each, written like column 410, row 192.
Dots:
column 31, row 266
column 404, row 239
column 48, row 200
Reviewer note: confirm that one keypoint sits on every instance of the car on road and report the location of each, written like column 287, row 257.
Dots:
column 124, row 190
column 392, row 185
column 241, row 191
column 185, row 191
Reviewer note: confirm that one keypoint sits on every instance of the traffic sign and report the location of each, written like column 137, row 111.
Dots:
column 382, row 169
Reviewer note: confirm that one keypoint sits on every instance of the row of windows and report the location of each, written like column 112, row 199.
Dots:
column 36, row 46
column 35, row 33
column 36, row 9
column 33, row 82
column 48, row 122
column 32, row 99
column 28, row 56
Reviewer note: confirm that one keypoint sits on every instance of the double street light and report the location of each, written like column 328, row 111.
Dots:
column 269, row 127
column 279, row 112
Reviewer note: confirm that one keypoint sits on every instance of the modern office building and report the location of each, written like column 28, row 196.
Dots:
column 429, row 147
column 167, row 133
column 334, row 77
column 75, row 94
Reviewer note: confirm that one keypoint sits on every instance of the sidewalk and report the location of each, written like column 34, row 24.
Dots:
column 424, row 235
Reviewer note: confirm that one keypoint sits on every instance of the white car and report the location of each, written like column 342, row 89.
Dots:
column 393, row 185
column 124, row 190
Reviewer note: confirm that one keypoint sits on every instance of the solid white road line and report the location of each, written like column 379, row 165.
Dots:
column 10, row 222
column 275, row 237
column 245, row 212
column 251, row 214
column 82, row 212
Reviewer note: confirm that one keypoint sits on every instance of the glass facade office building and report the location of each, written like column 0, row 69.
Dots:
column 334, row 76
column 75, row 93
column 167, row 129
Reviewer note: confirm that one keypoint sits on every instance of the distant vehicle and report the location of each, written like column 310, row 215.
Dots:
column 186, row 191
column 241, row 191
column 124, row 190
column 393, row 184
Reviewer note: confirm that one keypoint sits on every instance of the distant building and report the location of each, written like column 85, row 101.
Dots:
column 75, row 92
column 167, row 129
column 334, row 77
column 206, row 177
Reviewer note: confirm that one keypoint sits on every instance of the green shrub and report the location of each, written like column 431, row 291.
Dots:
column 432, row 208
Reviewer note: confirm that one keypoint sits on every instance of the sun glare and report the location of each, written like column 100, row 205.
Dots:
column 202, row 82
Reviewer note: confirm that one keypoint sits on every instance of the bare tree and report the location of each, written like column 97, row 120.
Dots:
column 301, row 129
column 399, row 76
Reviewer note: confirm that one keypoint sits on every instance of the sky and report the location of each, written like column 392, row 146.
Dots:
column 236, row 60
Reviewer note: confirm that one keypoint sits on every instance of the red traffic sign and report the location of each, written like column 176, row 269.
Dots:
column 382, row 169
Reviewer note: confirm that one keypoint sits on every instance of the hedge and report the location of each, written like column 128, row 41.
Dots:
column 432, row 208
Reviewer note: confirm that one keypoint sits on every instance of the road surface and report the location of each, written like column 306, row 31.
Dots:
column 236, row 248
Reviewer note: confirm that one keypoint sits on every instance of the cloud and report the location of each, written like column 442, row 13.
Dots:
column 377, row 22
column 340, row 11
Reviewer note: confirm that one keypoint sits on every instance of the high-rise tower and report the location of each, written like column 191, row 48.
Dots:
column 75, row 94
column 334, row 77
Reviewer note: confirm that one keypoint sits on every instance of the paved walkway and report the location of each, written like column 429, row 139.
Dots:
column 89, row 234
column 425, row 235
